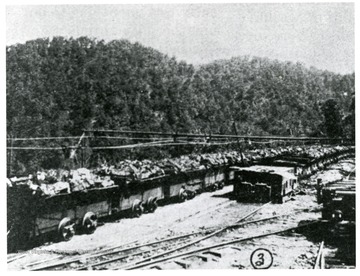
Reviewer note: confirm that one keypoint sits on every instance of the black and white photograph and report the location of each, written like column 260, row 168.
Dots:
column 187, row 136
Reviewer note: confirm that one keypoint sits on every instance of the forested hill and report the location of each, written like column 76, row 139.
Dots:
column 271, row 97
column 60, row 86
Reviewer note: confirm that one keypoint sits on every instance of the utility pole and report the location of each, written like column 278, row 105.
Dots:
column 239, row 145
column 82, row 154
column 11, row 154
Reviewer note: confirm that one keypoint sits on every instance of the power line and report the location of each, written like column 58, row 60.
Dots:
column 174, row 135
column 189, row 135
column 44, row 138
column 39, row 148
column 150, row 144
column 78, row 137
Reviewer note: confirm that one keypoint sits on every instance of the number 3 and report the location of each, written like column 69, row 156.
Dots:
column 261, row 259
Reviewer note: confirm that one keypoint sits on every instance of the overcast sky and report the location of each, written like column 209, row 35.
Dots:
column 320, row 35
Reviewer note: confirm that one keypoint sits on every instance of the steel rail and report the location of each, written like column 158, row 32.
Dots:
column 204, row 231
column 101, row 254
column 317, row 264
column 10, row 260
column 253, row 212
column 151, row 262
column 202, row 238
column 85, row 267
column 81, row 257
column 42, row 261
column 110, row 248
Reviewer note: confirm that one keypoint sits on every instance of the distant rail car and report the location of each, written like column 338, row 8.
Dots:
column 263, row 183
column 67, row 213
column 305, row 166
column 338, row 201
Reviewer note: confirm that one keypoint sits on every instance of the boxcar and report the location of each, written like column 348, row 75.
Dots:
column 263, row 183
column 338, row 201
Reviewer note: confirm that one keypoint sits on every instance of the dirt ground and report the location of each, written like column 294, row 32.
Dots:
column 215, row 209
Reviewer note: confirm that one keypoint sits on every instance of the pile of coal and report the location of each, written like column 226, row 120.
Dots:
column 52, row 182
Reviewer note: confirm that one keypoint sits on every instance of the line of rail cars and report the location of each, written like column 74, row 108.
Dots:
column 31, row 216
column 305, row 166
column 79, row 211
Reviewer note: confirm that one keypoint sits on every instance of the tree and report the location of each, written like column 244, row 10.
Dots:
column 332, row 118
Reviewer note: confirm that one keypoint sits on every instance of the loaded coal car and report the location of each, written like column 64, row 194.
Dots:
column 303, row 166
column 33, row 215
column 77, row 208
column 263, row 183
column 308, row 162
column 215, row 178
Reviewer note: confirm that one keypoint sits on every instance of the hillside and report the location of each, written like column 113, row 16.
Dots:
column 59, row 87
column 267, row 96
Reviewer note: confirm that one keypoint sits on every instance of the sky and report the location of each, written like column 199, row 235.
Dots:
column 317, row 34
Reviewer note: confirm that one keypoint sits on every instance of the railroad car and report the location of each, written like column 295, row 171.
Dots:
column 31, row 215
column 263, row 183
column 338, row 201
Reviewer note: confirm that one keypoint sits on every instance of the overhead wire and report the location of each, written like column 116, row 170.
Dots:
column 86, row 136
column 150, row 144
column 175, row 139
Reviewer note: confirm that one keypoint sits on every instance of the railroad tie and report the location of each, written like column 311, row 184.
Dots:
column 214, row 253
column 156, row 267
column 202, row 257
column 183, row 264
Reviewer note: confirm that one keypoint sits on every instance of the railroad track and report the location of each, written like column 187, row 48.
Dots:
column 171, row 250
column 320, row 258
column 201, row 252
column 180, row 256
column 122, row 250
column 122, row 255
column 17, row 257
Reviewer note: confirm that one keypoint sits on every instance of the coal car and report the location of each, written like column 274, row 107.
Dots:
column 31, row 215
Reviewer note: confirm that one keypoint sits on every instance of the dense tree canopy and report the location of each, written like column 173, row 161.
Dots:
column 268, row 97
column 332, row 118
column 58, row 87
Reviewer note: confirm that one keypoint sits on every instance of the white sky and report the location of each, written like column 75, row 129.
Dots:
column 318, row 34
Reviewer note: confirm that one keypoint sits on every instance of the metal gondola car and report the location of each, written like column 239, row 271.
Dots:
column 263, row 183
column 33, row 215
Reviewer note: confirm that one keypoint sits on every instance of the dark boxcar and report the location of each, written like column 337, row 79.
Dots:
column 267, row 183
column 338, row 201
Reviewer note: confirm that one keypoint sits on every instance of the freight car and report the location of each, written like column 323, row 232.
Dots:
column 31, row 215
column 263, row 183
column 338, row 200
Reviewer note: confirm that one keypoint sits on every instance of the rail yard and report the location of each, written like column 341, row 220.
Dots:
column 298, row 208
column 180, row 137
